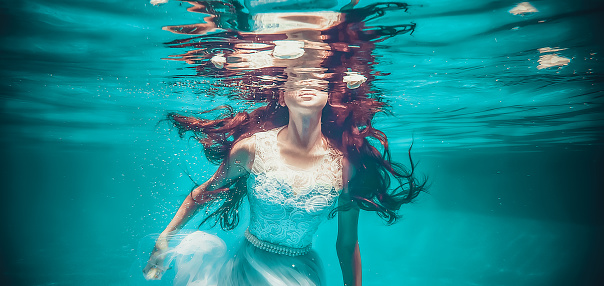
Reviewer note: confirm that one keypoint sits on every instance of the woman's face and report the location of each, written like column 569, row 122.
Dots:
column 305, row 91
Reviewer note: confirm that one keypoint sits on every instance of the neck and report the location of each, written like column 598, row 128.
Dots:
column 303, row 130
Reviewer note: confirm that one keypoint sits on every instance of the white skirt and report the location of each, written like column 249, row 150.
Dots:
column 202, row 259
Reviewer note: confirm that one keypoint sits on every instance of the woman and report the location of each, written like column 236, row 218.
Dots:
column 307, row 149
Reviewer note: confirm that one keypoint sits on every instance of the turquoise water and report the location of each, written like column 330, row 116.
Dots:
column 513, row 152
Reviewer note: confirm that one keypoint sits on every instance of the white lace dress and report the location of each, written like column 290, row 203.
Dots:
column 286, row 207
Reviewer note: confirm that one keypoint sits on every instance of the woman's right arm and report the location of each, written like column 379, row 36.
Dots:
column 238, row 164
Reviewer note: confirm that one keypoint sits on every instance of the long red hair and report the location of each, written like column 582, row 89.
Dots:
column 346, row 120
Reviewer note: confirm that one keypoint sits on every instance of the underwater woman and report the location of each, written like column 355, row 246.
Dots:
column 305, row 156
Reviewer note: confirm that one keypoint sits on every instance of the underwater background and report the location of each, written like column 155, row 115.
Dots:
column 505, row 112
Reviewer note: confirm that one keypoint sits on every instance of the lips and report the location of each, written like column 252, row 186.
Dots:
column 307, row 97
column 307, row 94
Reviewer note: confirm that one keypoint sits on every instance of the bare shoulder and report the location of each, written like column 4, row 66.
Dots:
column 245, row 145
column 242, row 152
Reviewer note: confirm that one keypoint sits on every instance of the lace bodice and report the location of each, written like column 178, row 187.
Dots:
column 288, row 204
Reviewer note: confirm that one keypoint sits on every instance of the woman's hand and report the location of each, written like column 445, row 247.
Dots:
column 155, row 266
column 238, row 164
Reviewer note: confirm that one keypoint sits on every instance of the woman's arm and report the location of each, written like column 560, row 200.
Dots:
column 238, row 164
column 347, row 245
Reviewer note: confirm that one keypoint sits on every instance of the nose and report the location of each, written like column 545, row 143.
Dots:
column 311, row 83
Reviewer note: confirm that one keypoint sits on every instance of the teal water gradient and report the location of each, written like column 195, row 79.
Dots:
column 514, row 153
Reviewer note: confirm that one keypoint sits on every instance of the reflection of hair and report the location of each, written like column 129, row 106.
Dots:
column 346, row 122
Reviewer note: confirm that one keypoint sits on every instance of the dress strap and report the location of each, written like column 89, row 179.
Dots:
column 265, row 146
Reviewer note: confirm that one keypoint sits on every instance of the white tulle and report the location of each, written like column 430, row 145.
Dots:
column 196, row 258
column 202, row 259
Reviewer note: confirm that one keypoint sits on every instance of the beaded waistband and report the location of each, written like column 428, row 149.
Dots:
column 275, row 248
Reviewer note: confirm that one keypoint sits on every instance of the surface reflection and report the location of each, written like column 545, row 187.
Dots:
column 262, row 54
